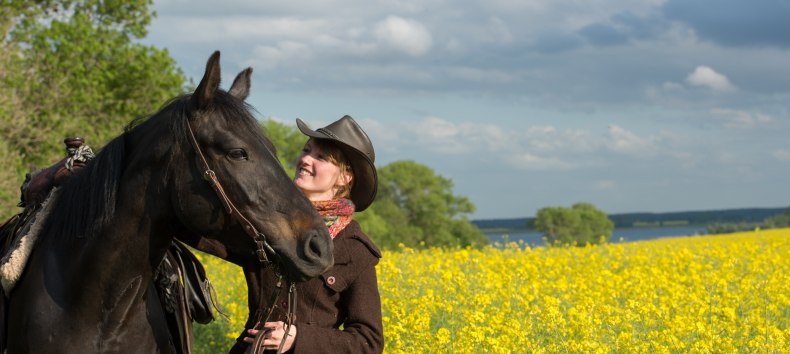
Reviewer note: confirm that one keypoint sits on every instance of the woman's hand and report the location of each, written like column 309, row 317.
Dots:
column 274, row 333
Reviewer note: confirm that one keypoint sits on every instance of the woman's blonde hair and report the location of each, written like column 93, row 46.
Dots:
column 335, row 155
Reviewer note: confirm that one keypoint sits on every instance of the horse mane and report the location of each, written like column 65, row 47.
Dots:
column 87, row 201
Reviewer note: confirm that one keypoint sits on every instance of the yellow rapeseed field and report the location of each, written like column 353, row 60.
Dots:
column 702, row 294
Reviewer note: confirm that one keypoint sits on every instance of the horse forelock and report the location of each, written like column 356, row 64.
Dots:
column 238, row 118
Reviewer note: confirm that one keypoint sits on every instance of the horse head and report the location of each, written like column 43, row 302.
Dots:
column 233, row 165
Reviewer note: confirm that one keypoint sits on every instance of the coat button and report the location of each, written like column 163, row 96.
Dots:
column 330, row 280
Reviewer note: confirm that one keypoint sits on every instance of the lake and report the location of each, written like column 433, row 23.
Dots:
column 626, row 234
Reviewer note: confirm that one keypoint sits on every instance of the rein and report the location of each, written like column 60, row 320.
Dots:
column 262, row 247
column 257, row 346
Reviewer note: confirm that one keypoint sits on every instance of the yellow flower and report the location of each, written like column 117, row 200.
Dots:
column 702, row 294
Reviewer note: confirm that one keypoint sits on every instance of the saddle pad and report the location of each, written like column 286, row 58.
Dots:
column 13, row 262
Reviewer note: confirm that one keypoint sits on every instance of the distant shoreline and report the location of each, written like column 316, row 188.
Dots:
column 647, row 220
column 619, row 235
column 641, row 226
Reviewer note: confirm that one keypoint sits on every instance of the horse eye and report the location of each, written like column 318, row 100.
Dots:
column 238, row 154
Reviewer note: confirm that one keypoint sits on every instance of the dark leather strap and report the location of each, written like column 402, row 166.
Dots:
column 230, row 208
column 257, row 345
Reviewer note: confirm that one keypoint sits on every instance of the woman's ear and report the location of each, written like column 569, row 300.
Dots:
column 344, row 179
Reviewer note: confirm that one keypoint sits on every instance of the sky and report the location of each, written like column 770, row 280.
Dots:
column 633, row 106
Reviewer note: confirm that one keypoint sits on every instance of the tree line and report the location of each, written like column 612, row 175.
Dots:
column 583, row 224
column 72, row 68
column 76, row 68
column 744, row 216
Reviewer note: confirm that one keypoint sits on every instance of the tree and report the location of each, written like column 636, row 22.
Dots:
column 12, row 114
column 580, row 225
column 781, row 220
column 75, row 68
column 421, row 208
column 288, row 140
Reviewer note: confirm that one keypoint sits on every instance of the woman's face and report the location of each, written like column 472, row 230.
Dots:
column 317, row 177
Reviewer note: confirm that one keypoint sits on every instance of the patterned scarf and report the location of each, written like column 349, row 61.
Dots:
column 337, row 213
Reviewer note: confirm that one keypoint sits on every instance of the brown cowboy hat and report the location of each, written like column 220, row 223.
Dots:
column 356, row 145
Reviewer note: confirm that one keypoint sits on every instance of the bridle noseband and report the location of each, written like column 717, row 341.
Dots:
column 208, row 174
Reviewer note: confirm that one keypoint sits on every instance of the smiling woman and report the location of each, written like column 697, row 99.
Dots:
column 340, row 311
column 323, row 172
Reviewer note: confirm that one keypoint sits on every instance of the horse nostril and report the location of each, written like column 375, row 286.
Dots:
column 318, row 248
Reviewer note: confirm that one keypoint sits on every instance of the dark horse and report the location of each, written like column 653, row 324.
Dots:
column 86, row 285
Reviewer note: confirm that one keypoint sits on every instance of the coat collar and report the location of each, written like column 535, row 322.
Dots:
column 345, row 241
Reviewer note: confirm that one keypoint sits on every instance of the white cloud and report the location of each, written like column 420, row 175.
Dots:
column 672, row 86
column 383, row 137
column 540, row 147
column 447, row 137
column 500, row 31
column 486, row 140
column 741, row 119
column 404, row 35
column 482, row 75
column 492, row 137
column 529, row 161
column 270, row 57
column 440, row 135
column 604, row 184
column 239, row 28
column 707, row 77
column 625, row 142
column 549, row 139
column 273, row 28
column 782, row 155
column 576, row 141
column 541, row 130
column 339, row 46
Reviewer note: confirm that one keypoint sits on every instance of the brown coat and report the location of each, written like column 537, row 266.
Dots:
column 346, row 295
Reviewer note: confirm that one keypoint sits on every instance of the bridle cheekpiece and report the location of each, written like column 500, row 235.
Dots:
column 209, row 175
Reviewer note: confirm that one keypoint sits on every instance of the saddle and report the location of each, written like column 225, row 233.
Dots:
column 19, row 233
column 185, row 292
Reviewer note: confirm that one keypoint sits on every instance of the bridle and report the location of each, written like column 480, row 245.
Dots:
column 208, row 174
column 262, row 244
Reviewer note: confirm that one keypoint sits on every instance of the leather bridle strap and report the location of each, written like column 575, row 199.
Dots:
column 257, row 345
column 290, row 316
column 209, row 175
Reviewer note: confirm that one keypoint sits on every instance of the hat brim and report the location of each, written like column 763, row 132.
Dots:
column 365, row 176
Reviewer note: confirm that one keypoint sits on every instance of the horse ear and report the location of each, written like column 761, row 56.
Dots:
column 241, row 85
column 209, row 84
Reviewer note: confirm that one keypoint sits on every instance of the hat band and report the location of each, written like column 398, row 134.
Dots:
column 330, row 134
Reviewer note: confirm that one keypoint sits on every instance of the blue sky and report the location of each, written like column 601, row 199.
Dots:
column 634, row 106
